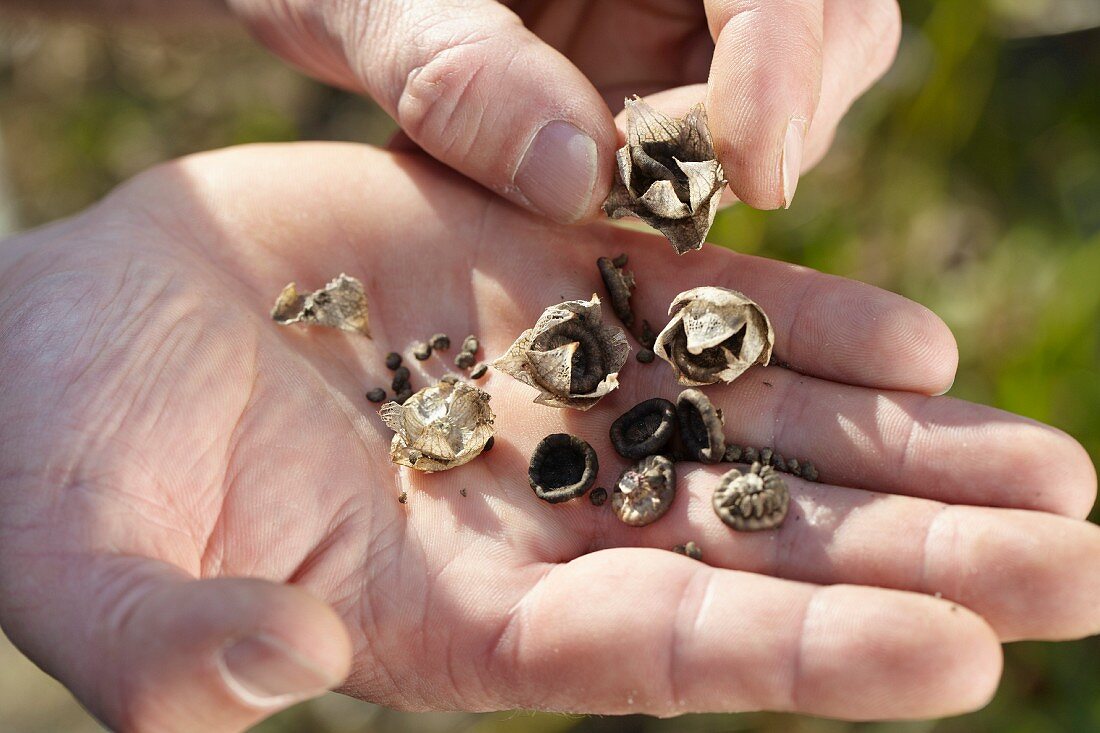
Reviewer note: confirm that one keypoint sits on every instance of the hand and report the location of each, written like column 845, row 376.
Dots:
column 199, row 522
column 516, row 94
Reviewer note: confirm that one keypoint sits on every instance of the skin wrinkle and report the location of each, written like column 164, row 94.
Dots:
column 690, row 607
column 798, row 657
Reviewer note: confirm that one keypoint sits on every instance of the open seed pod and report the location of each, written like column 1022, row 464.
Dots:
column 700, row 423
column 571, row 357
column 645, row 491
column 757, row 499
column 644, row 429
column 439, row 427
column 669, row 175
column 342, row 304
column 562, row 467
column 714, row 334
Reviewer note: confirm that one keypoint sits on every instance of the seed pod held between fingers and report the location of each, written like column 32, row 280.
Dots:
column 645, row 491
column 570, row 355
column 700, row 427
column 439, row 427
column 714, row 334
column 562, row 467
column 644, row 429
column 757, row 499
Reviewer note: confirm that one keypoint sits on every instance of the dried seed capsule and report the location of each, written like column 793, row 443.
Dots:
column 754, row 500
column 562, row 467
column 690, row 549
column 619, row 284
column 471, row 344
column 714, row 334
column 422, row 350
column 570, row 355
column 700, row 427
column 440, row 342
column 645, row 491
column 400, row 378
column 376, row 395
column 644, row 429
column 809, row 471
column 794, row 467
column 479, row 370
column 732, row 454
column 439, row 427
column 598, row 496
column 393, row 360
column 645, row 356
column 342, row 304
column 669, row 175
column 464, row 360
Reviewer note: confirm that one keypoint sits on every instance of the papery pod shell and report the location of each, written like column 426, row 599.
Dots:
column 341, row 304
column 439, row 427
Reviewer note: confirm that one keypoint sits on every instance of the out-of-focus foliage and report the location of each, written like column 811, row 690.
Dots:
column 969, row 180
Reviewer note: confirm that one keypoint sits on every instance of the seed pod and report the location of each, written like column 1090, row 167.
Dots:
column 479, row 370
column 754, row 500
column 700, row 427
column 422, row 350
column 645, row 491
column 714, row 334
column 598, row 496
column 440, row 342
column 690, row 549
column 464, row 359
column 644, row 429
column 645, row 356
column 562, row 467
column 342, row 304
column 669, row 175
column 376, row 395
column 439, row 427
column 393, row 360
column 570, row 355
column 619, row 284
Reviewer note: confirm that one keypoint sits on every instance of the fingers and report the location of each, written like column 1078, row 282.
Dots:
column 978, row 557
column 762, row 92
column 681, row 637
column 146, row 648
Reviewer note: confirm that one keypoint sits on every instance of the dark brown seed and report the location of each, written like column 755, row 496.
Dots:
column 376, row 395
column 645, row 356
column 645, row 491
column 440, row 342
column 403, row 394
column 649, row 336
column 766, row 456
column 462, row 491
column 400, row 379
column 700, row 427
column 778, row 462
column 422, row 350
column 598, row 496
column 794, row 467
column 620, row 261
column 644, row 429
column 393, row 360
column 471, row 344
column 690, row 549
column 404, row 497
column 733, row 453
column 619, row 284
column 479, row 370
column 756, row 499
column 809, row 471
column 750, row 455
column 562, row 467
column 465, row 359
column 489, row 444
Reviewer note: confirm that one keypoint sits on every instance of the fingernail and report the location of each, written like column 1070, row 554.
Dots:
column 262, row 670
column 557, row 173
column 792, row 158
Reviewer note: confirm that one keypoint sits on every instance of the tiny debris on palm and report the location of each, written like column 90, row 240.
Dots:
column 439, row 427
column 714, row 334
column 668, row 174
column 342, row 304
column 570, row 355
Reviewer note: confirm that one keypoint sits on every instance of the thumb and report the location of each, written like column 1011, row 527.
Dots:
column 146, row 648
column 469, row 84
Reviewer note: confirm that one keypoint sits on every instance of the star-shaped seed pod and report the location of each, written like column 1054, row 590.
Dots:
column 700, row 422
column 571, row 357
column 669, row 175
column 342, row 304
column 714, row 334
column 645, row 491
column 439, row 427
column 757, row 499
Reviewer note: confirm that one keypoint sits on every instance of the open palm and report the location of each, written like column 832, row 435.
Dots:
column 193, row 497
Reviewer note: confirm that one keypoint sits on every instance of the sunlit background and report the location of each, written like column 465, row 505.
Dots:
column 969, row 180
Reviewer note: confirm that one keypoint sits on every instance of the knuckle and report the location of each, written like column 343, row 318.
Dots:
column 880, row 32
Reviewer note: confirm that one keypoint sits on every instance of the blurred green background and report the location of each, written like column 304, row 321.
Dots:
column 969, row 180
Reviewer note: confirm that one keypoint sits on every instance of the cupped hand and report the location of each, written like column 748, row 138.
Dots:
column 199, row 521
column 519, row 95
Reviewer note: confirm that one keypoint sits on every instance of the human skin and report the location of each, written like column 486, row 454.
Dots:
column 178, row 474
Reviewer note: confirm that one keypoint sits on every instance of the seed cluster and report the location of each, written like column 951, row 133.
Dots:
column 770, row 457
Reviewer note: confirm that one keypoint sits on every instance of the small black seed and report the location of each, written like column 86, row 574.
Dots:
column 645, row 356
column 422, row 350
column 471, row 344
column 440, row 342
column 489, row 444
column 793, row 466
column 598, row 496
column 404, row 394
column 562, row 467
column 690, row 549
column 404, row 497
column 465, row 359
column 644, row 429
column 479, row 370
column 400, row 379
column 462, row 491
column 779, row 463
column 376, row 395
column 766, row 456
column 393, row 360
